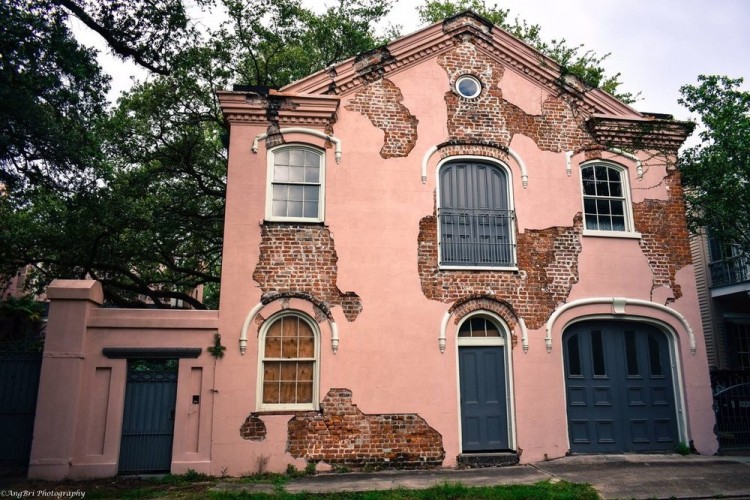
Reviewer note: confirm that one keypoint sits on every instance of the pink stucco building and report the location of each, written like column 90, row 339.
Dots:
column 439, row 252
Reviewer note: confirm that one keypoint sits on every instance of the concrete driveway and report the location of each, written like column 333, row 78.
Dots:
column 614, row 476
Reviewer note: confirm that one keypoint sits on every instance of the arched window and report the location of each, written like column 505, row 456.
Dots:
column 606, row 198
column 296, row 184
column 289, row 353
column 475, row 215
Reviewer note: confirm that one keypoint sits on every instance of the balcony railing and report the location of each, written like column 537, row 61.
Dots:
column 729, row 271
column 476, row 237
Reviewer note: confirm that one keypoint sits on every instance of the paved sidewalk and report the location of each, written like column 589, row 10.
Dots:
column 614, row 476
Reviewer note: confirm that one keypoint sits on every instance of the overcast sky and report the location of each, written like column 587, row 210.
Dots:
column 657, row 45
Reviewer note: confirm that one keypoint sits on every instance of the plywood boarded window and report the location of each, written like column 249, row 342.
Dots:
column 289, row 358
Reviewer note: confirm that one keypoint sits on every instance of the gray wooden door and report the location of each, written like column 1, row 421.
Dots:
column 148, row 418
column 484, row 417
column 620, row 394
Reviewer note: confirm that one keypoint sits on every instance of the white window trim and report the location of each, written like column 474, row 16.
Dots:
column 314, row 405
column 502, row 341
column 511, row 206
column 269, row 183
column 629, row 231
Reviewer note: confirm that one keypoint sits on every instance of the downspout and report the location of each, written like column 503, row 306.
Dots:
column 638, row 164
column 302, row 130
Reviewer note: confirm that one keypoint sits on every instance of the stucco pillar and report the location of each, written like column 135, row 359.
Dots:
column 60, row 382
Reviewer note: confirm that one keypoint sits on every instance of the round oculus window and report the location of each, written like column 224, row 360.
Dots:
column 468, row 86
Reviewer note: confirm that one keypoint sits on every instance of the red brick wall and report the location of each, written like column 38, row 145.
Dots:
column 547, row 269
column 665, row 239
column 301, row 258
column 489, row 118
column 341, row 434
column 253, row 429
column 380, row 101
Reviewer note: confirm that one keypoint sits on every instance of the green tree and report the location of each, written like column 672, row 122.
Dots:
column 148, row 224
column 716, row 172
column 574, row 60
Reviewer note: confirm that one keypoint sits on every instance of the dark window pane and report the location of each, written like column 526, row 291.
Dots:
column 574, row 356
column 654, row 357
column 615, row 189
column 602, row 207
column 631, row 353
column 597, row 353
column 591, row 222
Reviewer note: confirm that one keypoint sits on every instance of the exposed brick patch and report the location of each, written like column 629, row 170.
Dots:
column 468, row 305
column 340, row 434
column 490, row 118
column 665, row 240
column 253, row 429
column 380, row 101
column 547, row 263
column 301, row 259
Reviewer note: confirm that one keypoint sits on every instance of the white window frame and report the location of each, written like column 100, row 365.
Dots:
column 511, row 206
column 270, row 182
column 629, row 231
column 314, row 404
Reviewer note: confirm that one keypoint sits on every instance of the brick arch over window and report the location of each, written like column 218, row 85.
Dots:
column 469, row 305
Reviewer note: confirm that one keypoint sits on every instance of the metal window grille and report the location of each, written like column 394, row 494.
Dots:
column 476, row 237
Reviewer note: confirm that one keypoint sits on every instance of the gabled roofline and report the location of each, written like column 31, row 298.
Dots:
column 347, row 76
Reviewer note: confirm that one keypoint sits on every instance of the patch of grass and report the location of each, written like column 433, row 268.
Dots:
column 561, row 490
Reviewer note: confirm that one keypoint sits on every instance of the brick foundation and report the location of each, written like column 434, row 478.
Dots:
column 340, row 434
column 253, row 429
column 380, row 101
column 301, row 259
column 489, row 118
column 547, row 270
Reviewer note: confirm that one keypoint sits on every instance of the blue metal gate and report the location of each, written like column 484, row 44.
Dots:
column 19, row 384
column 148, row 419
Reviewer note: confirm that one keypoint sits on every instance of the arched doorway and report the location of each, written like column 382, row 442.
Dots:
column 484, row 385
column 619, row 388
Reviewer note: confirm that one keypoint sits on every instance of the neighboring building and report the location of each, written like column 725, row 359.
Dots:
column 439, row 252
column 723, row 273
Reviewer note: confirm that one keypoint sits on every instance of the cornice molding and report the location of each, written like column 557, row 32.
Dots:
column 290, row 109
column 644, row 133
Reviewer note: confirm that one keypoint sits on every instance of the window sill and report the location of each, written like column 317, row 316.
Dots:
column 283, row 411
column 612, row 234
column 478, row 268
column 297, row 221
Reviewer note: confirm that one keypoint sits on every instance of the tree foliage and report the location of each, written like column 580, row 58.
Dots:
column 134, row 195
column 716, row 172
column 574, row 60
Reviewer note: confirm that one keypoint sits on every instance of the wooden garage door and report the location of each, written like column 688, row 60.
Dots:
column 620, row 392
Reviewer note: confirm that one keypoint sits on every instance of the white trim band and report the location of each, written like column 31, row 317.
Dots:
column 618, row 307
column 302, row 130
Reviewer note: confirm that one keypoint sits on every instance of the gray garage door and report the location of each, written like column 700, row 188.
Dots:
column 620, row 393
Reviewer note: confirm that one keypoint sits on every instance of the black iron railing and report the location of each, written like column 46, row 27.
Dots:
column 477, row 237
column 729, row 271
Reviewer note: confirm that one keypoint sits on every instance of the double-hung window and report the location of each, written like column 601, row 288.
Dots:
column 296, row 184
column 606, row 200
column 475, row 216
column 289, row 357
